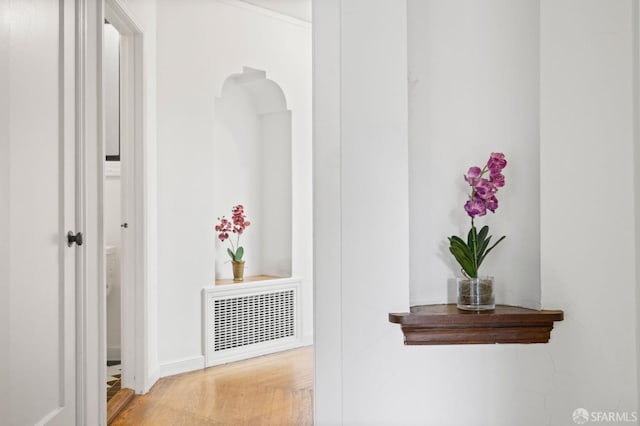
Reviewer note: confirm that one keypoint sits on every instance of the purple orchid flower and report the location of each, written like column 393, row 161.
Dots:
column 470, row 253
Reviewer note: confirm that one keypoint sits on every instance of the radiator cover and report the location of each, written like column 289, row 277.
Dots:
column 247, row 320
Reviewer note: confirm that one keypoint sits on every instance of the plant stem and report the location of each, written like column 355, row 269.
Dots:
column 474, row 243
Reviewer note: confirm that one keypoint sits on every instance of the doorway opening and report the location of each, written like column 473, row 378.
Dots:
column 123, row 207
column 112, row 208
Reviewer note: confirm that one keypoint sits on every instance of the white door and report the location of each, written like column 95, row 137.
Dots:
column 37, row 186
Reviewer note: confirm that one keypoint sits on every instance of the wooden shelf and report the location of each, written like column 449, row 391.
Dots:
column 447, row 325
column 249, row 279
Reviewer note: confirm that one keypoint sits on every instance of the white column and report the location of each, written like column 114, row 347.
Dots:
column 588, row 250
column 327, row 213
column 5, row 226
column 361, row 197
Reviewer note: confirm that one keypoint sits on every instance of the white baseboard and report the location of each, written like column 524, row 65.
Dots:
column 307, row 339
column 181, row 366
column 148, row 384
column 256, row 350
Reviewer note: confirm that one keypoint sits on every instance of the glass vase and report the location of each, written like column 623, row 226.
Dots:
column 476, row 294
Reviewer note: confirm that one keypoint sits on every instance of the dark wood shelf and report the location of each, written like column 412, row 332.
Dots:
column 447, row 325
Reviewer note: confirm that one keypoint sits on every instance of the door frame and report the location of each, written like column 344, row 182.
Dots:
column 134, row 266
column 91, row 292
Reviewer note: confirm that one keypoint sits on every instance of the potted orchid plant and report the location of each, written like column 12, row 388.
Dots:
column 237, row 226
column 475, row 292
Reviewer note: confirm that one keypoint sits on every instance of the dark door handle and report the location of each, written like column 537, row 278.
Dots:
column 124, row 225
column 74, row 238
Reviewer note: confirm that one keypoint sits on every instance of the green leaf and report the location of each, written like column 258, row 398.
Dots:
column 230, row 253
column 497, row 242
column 472, row 236
column 465, row 263
column 493, row 246
column 483, row 247
column 457, row 242
column 239, row 254
column 454, row 238
column 473, row 246
column 482, row 235
column 459, row 253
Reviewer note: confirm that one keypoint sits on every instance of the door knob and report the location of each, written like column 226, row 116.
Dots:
column 124, row 225
column 74, row 238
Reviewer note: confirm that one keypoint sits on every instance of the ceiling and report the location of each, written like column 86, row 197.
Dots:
column 300, row 9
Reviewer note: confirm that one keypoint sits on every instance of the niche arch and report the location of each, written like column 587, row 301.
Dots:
column 252, row 139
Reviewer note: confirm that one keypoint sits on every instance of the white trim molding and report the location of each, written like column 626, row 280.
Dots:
column 267, row 12
column 135, row 330
column 182, row 366
column 112, row 169
column 90, row 395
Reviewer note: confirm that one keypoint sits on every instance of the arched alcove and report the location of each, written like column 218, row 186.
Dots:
column 252, row 138
column 475, row 94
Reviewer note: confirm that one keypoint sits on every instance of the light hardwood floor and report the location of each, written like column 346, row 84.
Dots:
column 269, row 390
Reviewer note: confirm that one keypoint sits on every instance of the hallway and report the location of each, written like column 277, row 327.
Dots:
column 269, row 390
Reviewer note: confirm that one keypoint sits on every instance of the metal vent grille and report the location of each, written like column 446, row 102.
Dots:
column 247, row 320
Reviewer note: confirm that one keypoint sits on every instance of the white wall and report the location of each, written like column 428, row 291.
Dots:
column 364, row 375
column 112, row 182
column 277, row 238
column 473, row 90
column 636, row 139
column 587, row 115
column 252, row 167
column 5, row 295
column 112, row 218
column 238, row 171
column 200, row 44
